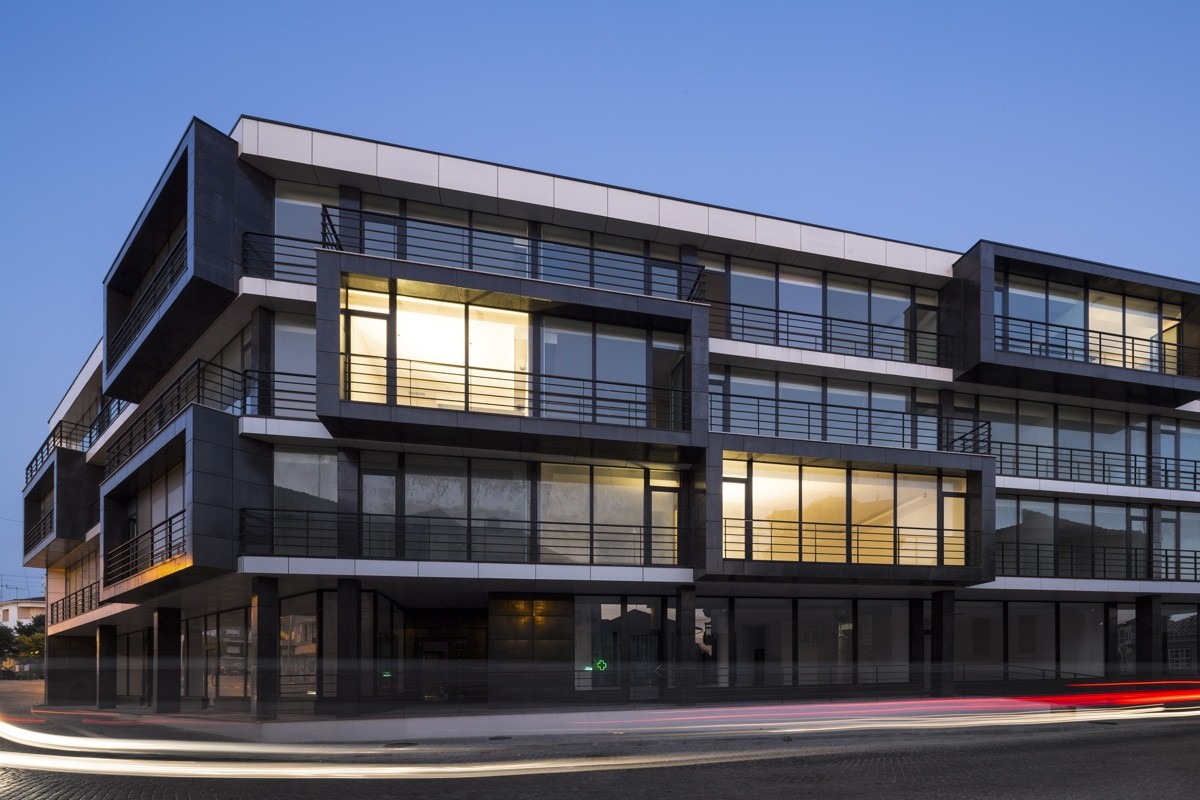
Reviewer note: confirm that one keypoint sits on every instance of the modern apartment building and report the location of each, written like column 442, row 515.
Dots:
column 370, row 426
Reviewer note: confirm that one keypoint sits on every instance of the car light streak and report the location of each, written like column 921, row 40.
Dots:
column 145, row 767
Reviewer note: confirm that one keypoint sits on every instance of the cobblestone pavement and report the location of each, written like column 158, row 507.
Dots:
column 1127, row 760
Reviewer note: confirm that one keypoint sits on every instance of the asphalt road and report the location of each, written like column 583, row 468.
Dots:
column 1090, row 761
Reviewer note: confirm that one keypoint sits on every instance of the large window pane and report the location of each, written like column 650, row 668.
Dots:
column 435, row 507
column 979, row 640
column 883, row 641
column 498, row 356
column 564, row 508
column 500, row 499
column 871, row 517
column 567, row 364
column 764, row 642
column 824, row 514
column 430, row 351
column 917, row 519
column 619, row 515
column 776, row 512
column 1031, row 641
column 825, row 629
column 620, row 392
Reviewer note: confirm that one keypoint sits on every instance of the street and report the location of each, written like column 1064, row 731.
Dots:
column 1092, row 760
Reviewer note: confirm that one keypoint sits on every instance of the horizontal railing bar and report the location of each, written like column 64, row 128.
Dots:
column 425, row 538
column 147, row 301
column 155, row 546
column 1069, row 343
column 848, row 543
column 1105, row 562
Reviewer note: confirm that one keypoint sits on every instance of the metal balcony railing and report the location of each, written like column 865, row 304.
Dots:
column 202, row 383
column 791, row 419
column 1032, row 560
column 426, row 384
column 76, row 603
column 39, row 531
column 1092, row 466
column 841, row 543
column 330, row 534
column 1064, row 342
column 828, row 334
column 155, row 546
column 75, row 436
column 148, row 299
column 292, row 259
column 279, row 394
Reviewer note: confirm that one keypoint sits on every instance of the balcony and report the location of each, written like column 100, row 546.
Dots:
column 75, row 436
column 292, row 259
column 1092, row 466
column 148, row 298
column 828, row 335
column 328, row 534
column 39, row 531
column 75, row 604
column 158, row 545
column 424, row 384
column 789, row 419
column 1048, row 340
column 1030, row 560
column 840, row 543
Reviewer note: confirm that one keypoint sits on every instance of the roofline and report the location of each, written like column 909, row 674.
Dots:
column 592, row 182
column 1151, row 278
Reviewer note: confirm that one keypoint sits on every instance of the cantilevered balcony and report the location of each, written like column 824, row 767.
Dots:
column 76, row 603
column 292, row 259
column 745, row 323
column 146, row 550
column 1092, row 466
column 75, row 436
column 149, row 297
column 424, row 384
column 328, row 534
column 1033, row 560
column 790, row 419
column 1048, row 340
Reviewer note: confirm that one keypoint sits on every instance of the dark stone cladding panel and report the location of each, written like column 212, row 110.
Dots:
column 972, row 292
column 223, row 473
column 220, row 199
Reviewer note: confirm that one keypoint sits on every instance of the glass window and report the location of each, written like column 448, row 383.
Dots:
column 752, row 283
column 305, row 479
column 872, row 506
column 498, row 355
column 883, row 641
column 764, row 641
column 564, row 511
column 1081, row 627
column 598, row 662
column 825, row 634
column 776, row 513
column 917, row 519
column 430, row 352
column 1031, row 637
column 500, row 505
column 619, row 510
column 979, row 640
column 298, row 210
column 1026, row 298
column 435, row 508
column 824, row 513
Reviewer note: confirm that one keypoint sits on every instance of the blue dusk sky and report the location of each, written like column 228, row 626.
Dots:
column 1071, row 127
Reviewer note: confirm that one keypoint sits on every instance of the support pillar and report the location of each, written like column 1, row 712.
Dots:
column 106, row 666
column 349, row 650
column 1149, row 637
column 941, row 649
column 686, row 665
column 1112, row 659
column 264, row 644
column 168, row 659
column 917, row 668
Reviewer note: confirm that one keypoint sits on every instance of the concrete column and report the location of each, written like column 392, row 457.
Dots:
column 349, row 650
column 917, row 667
column 264, row 633
column 1149, row 637
column 167, row 659
column 106, row 666
column 941, row 649
column 685, row 644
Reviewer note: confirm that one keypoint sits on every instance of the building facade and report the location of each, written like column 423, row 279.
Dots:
column 371, row 427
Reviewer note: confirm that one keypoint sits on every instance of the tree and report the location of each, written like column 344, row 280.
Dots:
column 31, row 639
column 8, row 643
